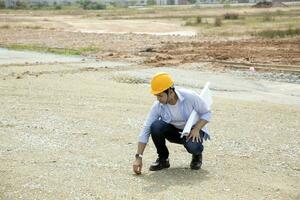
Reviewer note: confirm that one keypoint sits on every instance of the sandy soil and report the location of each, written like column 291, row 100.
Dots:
column 69, row 132
column 69, row 128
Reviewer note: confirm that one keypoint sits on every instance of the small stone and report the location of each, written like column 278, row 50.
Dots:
column 149, row 49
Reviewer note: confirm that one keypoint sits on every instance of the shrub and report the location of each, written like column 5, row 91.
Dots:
column 57, row 7
column 192, row 1
column 279, row 12
column 6, row 26
column 39, row 5
column 2, row 4
column 279, row 33
column 267, row 18
column 218, row 21
column 193, row 21
column 151, row 2
column 198, row 20
column 89, row 5
column 231, row 16
column 20, row 5
column 227, row 5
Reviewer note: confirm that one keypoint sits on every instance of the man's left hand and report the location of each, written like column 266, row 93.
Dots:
column 194, row 135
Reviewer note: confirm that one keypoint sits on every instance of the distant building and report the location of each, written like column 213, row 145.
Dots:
column 14, row 3
column 171, row 2
column 161, row 2
column 208, row 1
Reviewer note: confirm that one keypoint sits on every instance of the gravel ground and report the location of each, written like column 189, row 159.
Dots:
column 272, row 76
column 68, row 130
column 72, row 135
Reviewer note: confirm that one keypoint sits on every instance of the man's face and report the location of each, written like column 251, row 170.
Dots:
column 162, row 97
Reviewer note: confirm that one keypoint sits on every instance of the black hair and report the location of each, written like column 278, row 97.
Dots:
column 167, row 90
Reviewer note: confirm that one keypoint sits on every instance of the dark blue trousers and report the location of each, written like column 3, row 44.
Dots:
column 160, row 131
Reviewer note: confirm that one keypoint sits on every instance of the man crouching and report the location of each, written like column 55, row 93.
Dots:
column 167, row 119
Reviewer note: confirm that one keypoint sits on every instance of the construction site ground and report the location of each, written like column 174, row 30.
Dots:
column 69, row 125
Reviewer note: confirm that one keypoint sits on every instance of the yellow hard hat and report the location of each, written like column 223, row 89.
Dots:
column 160, row 82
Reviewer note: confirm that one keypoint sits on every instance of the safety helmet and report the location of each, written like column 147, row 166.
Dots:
column 160, row 82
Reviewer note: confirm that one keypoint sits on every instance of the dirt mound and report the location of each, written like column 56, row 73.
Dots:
column 269, row 4
column 263, row 4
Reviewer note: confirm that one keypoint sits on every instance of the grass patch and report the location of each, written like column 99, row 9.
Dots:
column 218, row 21
column 6, row 26
column 206, row 22
column 33, row 27
column 268, row 18
column 197, row 21
column 231, row 16
column 279, row 33
column 61, row 51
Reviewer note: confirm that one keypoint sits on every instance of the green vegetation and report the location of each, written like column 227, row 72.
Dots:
column 277, row 23
column 267, row 17
column 233, row 21
column 218, row 21
column 198, row 19
column 22, row 5
column 151, row 2
column 2, row 4
column 231, row 16
column 194, row 21
column 207, row 22
column 33, row 27
column 62, row 51
column 279, row 33
column 91, row 5
column 192, row 1
column 6, row 26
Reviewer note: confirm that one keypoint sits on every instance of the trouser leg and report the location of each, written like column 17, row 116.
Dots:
column 160, row 131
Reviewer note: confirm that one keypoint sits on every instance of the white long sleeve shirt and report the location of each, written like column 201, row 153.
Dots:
column 188, row 101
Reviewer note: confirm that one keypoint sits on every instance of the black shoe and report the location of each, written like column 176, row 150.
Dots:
column 159, row 164
column 196, row 162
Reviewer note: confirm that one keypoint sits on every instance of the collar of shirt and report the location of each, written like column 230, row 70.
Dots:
column 180, row 97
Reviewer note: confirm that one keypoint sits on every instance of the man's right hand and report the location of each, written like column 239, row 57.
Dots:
column 137, row 166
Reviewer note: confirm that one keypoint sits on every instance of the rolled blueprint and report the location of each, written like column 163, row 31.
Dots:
column 194, row 118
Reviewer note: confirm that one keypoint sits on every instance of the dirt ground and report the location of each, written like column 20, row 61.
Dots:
column 69, row 126
column 156, row 42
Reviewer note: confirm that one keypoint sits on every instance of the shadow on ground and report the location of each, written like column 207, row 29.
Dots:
column 162, row 180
